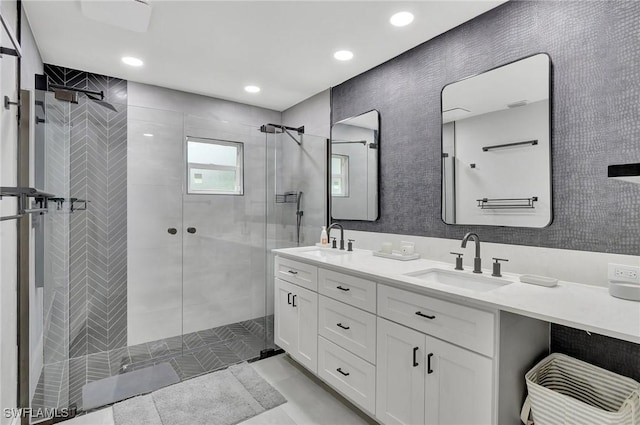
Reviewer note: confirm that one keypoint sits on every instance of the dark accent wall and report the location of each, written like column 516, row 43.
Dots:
column 595, row 122
column 596, row 104
column 97, row 317
column 608, row 353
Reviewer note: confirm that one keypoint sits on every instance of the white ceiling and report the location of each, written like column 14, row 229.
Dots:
column 216, row 48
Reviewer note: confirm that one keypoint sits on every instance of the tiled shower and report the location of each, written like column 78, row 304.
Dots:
column 118, row 290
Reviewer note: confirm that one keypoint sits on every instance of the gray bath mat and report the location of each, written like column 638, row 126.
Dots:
column 225, row 397
column 136, row 411
column 121, row 387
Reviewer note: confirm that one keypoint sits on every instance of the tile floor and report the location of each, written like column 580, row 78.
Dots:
column 309, row 401
column 191, row 355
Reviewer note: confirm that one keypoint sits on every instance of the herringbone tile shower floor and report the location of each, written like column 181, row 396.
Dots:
column 193, row 354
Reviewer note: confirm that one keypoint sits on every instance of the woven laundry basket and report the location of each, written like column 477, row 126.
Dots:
column 567, row 391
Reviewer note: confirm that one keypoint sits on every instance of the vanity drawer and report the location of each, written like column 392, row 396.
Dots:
column 359, row 337
column 296, row 272
column 352, row 290
column 349, row 374
column 461, row 325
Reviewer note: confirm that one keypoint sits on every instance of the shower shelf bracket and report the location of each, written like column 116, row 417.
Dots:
column 72, row 202
column 40, row 199
column 506, row 203
column 287, row 198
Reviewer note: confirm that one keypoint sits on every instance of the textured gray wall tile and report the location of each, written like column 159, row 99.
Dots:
column 618, row 356
column 596, row 68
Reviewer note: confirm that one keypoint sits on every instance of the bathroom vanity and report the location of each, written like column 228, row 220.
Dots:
column 418, row 342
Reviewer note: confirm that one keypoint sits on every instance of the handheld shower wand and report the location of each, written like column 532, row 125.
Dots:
column 299, row 214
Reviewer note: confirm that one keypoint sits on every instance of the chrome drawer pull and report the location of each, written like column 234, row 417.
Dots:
column 344, row 373
column 340, row 325
column 419, row 313
column 342, row 289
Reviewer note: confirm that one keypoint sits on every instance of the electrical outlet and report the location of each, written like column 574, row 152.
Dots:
column 623, row 273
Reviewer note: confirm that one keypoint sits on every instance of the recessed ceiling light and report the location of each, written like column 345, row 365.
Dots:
column 148, row 135
column 131, row 61
column 401, row 19
column 343, row 55
column 252, row 89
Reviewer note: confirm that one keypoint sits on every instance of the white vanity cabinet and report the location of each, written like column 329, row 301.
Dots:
column 400, row 374
column 459, row 385
column 296, row 315
column 421, row 379
column 401, row 355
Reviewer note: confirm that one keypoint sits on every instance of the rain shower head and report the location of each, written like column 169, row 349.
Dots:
column 70, row 94
column 273, row 128
column 270, row 128
column 100, row 101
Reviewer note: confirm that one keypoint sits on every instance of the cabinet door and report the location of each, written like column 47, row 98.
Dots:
column 305, row 305
column 400, row 374
column 459, row 386
column 285, row 317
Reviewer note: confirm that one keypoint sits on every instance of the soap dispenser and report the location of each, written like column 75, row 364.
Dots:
column 324, row 239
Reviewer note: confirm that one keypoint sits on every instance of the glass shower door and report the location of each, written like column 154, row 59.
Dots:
column 154, row 236
column 224, row 244
column 296, row 199
column 49, row 304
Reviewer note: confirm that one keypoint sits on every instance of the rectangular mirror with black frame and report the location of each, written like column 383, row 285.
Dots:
column 496, row 146
column 354, row 166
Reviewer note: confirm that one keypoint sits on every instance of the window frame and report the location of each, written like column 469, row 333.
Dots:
column 239, row 167
column 343, row 175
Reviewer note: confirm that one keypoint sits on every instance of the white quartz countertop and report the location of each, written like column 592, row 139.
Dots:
column 571, row 304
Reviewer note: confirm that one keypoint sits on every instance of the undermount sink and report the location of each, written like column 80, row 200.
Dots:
column 326, row 252
column 472, row 282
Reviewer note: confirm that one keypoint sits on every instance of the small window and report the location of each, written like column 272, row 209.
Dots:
column 339, row 175
column 215, row 167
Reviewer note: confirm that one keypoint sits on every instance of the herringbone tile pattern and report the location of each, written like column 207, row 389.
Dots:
column 190, row 355
column 97, row 301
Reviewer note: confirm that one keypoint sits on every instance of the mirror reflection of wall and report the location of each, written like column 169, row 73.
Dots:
column 354, row 168
column 496, row 156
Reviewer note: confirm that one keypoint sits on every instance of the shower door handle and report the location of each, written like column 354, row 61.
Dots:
column 172, row 230
column 191, row 230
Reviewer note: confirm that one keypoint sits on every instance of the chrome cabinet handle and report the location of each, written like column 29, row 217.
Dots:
column 342, row 372
column 342, row 289
column 429, row 370
column 289, row 298
column 340, row 325
column 294, row 300
column 419, row 313
column 415, row 361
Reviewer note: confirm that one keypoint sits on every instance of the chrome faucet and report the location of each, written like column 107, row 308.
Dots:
column 339, row 226
column 477, row 262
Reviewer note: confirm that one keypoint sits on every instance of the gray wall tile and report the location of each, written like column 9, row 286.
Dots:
column 596, row 65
